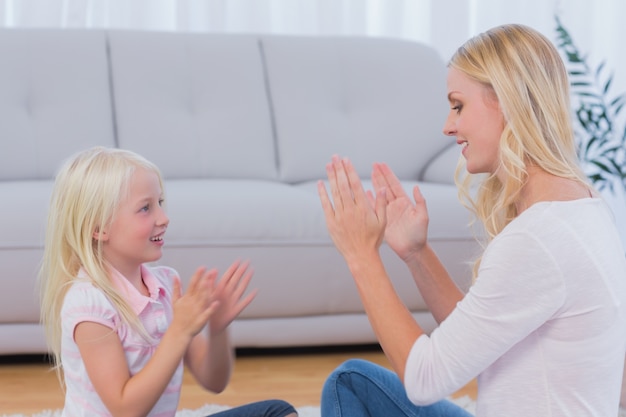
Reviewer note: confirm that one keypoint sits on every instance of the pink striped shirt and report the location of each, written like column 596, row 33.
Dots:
column 84, row 302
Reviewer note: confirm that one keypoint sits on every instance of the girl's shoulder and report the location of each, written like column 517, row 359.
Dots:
column 83, row 287
column 84, row 297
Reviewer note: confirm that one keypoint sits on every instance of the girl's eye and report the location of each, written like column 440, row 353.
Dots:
column 161, row 202
column 145, row 208
column 457, row 108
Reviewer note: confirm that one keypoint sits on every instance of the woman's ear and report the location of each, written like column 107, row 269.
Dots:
column 100, row 235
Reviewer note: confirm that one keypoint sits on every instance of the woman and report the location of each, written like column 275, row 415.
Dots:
column 543, row 325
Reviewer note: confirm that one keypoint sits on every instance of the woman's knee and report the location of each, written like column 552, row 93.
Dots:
column 360, row 366
column 278, row 408
column 344, row 373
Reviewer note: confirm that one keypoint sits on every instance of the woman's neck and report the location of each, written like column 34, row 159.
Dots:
column 543, row 186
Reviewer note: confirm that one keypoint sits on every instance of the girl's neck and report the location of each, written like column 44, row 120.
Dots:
column 135, row 278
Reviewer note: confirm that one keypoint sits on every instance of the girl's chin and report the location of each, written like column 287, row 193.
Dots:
column 156, row 256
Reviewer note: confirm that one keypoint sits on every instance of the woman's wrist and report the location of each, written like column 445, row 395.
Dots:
column 416, row 256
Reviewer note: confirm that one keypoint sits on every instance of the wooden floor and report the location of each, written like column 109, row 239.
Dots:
column 295, row 375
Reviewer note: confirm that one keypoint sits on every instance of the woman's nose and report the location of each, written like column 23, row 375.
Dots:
column 448, row 128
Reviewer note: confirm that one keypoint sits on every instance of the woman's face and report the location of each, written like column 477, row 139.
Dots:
column 476, row 121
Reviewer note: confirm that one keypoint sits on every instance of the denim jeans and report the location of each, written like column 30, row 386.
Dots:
column 360, row 388
column 267, row 408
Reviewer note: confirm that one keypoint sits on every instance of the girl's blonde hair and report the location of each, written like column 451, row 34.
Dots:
column 525, row 73
column 87, row 191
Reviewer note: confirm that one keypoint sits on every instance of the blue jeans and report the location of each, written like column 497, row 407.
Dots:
column 268, row 408
column 360, row 388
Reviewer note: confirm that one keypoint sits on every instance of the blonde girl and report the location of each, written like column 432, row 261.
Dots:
column 120, row 330
column 546, row 313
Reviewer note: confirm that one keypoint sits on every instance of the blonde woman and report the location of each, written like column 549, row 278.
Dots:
column 119, row 330
column 543, row 326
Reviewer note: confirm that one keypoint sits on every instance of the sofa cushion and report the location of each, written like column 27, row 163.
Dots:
column 217, row 212
column 281, row 229
column 195, row 105
column 365, row 98
column 24, row 208
column 55, row 99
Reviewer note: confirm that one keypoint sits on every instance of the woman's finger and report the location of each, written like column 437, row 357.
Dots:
column 383, row 177
column 354, row 183
column 327, row 206
column 344, row 190
column 331, row 173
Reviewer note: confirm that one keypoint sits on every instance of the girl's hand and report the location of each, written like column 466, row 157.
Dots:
column 193, row 310
column 229, row 293
column 407, row 223
column 356, row 222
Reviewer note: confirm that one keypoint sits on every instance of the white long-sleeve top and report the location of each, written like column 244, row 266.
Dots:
column 544, row 325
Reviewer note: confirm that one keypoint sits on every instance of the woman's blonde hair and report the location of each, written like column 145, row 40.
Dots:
column 525, row 73
column 87, row 191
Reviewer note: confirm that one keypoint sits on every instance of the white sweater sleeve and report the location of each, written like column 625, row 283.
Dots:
column 519, row 287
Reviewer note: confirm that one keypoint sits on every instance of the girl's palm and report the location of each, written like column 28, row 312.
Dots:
column 229, row 293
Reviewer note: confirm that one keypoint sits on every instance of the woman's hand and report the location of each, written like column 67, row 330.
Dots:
column 229, row 293
column 356, row 222
column 407, row 223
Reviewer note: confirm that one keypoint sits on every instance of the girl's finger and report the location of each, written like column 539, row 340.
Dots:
column 195, row 279
column 177, row 290
column 233, row 274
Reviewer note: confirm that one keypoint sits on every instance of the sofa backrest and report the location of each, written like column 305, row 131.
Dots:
column 369, row 99
column 54, row 100
column 219, row 105
column 194, row 104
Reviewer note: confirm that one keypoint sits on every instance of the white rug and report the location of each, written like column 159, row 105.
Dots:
column 306, row 411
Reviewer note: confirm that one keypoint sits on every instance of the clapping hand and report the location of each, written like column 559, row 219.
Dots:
column 407, row 223
column 193, row 309
column 356, row 222
column 229, row 294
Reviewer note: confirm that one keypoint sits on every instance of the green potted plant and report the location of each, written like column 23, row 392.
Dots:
column 600, row 133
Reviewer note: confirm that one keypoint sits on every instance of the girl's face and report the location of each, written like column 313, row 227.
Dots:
column 476, row 121
column 135, row 235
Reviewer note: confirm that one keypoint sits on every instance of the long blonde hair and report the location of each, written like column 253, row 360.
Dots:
column 87, row 191
column 524, row 71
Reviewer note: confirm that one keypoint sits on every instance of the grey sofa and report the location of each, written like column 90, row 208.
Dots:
column 241, row 127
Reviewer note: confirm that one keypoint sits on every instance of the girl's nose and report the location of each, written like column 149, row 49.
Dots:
column 163, row 220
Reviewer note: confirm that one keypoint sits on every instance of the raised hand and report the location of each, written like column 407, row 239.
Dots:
column 229, row 294
column 407, row 223
column 193, row 309
column 356, row 222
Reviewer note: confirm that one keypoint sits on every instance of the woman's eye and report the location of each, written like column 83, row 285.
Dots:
column 457, row 108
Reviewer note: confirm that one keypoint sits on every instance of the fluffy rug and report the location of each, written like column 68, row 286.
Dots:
column 206, row 410
column 307, row 411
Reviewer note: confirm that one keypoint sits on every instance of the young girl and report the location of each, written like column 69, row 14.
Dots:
column 118, row 329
